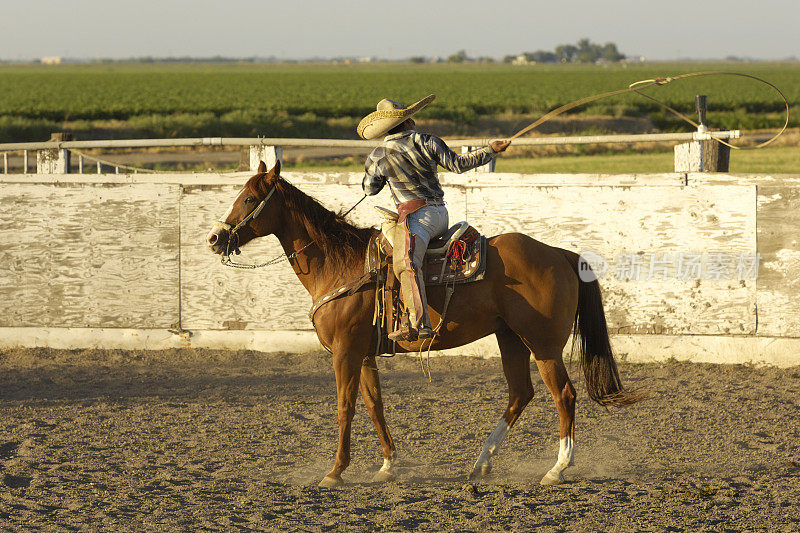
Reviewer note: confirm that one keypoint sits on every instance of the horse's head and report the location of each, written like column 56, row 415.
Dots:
column 249, row 216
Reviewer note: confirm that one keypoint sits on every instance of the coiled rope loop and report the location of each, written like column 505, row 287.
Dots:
column 637, row 88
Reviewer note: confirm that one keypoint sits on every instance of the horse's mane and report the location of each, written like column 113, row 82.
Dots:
column 341, row 243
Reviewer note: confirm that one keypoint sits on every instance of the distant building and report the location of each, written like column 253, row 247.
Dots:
column 52, row 60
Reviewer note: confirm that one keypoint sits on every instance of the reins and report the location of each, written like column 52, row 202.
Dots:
column 226, row 257
column 227, row 261
column 354, row 206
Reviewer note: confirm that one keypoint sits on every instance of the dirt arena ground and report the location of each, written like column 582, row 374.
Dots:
column 209, row 440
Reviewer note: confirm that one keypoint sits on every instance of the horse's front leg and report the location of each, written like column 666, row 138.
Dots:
column 371, row 392
column 347, row 366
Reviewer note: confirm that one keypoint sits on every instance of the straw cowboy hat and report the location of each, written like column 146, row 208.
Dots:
column 388, row 115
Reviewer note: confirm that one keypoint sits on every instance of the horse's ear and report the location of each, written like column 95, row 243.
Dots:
column 262, row 167
column 276, row 170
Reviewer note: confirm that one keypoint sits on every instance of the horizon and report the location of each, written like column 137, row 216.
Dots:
column 629, row 58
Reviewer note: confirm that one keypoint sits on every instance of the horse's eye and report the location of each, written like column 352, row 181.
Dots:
column 250, row 199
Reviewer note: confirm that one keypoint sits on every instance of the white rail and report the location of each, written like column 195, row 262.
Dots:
column 53, row 156
column 345, row 143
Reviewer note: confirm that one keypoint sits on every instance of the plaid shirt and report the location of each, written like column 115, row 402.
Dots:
column 408, row 161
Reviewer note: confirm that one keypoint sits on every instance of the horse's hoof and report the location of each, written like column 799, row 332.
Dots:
column 484, row 470
column 330, row 482
column 382, row 476
column 552, row 479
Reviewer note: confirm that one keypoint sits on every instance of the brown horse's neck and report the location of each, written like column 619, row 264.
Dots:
column 309, row 264
column 332, row 250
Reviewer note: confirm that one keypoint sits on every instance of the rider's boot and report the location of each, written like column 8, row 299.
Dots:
column 416, row 324
column 412, row 285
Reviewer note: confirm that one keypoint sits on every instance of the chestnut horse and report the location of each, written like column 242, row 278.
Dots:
column 531, row 299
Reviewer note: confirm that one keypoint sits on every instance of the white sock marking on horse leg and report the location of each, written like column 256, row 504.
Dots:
column 389, row 463
column 492, row 445
column 565, row 458
column 386, row 473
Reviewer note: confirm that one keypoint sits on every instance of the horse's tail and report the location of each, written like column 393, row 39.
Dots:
column 596, row 357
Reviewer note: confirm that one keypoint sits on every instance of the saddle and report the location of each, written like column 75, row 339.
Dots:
column 457, row 256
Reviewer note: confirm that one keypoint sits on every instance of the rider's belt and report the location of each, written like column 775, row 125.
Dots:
column 406, row 208
column 427, row 202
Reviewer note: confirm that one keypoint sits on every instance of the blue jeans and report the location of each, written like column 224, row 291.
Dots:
column 428, row 223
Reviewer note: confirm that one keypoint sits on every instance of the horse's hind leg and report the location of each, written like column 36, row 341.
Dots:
column 371, row 391
column 554, row 374
column 516, row 367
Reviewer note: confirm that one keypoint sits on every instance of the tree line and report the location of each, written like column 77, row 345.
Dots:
column 585, row 51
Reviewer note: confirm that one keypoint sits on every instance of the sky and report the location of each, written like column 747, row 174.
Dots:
column 297, row 29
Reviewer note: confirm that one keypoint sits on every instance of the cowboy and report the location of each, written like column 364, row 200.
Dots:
column 408, row 160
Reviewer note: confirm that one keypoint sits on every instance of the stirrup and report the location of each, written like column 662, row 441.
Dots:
column 403, row 333
column 425, row 333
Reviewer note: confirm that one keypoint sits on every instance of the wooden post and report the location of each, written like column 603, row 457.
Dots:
column 268, row 154
column 488, row 167
column 701, row 105
column 702, row 155
column 56, row 160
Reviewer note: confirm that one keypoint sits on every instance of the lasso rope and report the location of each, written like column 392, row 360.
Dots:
column 638, row 86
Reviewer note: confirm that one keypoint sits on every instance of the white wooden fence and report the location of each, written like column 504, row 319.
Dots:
column 121, row 261
column 698, row 153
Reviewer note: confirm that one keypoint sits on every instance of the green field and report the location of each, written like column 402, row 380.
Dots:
column 157, row 100
column 777, row 160
column 780, row 160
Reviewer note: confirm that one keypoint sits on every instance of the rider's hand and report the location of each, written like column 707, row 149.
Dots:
column 500, row 146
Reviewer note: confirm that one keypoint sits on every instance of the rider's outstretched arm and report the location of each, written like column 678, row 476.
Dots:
column 446, row 157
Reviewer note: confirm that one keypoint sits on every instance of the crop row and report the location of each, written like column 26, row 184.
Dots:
column 127, row 92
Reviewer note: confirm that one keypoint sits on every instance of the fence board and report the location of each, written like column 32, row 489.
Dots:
column 633, row 220
column 78, row 255
column 104, row 254
column 778, row 280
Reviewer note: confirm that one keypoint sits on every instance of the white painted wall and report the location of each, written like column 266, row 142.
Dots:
column 118, row 259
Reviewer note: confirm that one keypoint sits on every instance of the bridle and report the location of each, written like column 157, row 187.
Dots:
column 233, row 238
column 233, row 231
column 232, row 235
